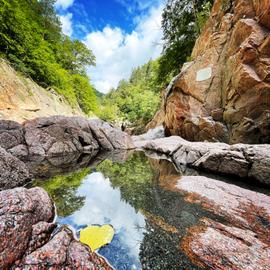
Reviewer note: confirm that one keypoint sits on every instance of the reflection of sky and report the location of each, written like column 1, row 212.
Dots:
column 103, row 205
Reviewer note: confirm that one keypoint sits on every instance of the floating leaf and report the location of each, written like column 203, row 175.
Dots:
column 97, row 236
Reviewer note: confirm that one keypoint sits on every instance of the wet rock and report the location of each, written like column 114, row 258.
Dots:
column 213, row 245
column 224, row 94
column 13, row 172
column 240, row 160
column 20, row 209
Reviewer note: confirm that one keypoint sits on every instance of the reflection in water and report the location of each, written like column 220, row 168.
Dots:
column 149, row 219
column 103, row 205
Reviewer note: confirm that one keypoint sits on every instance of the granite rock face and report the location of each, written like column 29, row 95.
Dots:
column 20, row 209
column 213, row 245
column 60, row 135
column 224, row 93
column 28, row 239
column 240, row 160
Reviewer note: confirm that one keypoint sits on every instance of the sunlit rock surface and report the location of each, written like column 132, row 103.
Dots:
column 22, row 99
column 245, row 161
column 57, row 140
column 238, row 239
column 224, row 93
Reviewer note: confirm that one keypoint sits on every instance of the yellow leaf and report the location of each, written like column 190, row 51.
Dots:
column 97, row 236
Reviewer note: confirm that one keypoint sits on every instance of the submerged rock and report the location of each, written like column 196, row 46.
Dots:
column 241, row 207
column 27, row 240
column 240, row 160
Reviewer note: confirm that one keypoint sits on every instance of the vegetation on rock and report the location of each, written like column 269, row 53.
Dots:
column 32, row 40
column 182, row 22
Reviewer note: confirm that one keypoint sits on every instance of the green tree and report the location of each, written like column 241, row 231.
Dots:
column 182, row 22
column 63, row 190
column 137, row 99
column 31, row 39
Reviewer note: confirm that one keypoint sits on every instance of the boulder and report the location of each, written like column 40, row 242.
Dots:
column 28, row 239
column 213, row 245
column 60, row 135
column 241, row 160
column 62, row 252
column 110, row 137
column 13, row 172
column 11, row 134
column 224, row 93
column 20, row 209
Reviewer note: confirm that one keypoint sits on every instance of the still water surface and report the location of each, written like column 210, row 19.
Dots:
column 148, row 217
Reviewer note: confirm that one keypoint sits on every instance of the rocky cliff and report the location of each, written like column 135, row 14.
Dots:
column 22, row 99
column 224, row 93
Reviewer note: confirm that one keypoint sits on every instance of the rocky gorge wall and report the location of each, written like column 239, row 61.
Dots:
column 224, row 93
column 22, row 99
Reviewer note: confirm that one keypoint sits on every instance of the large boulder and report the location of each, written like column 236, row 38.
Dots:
column 28, row 239
column 110, row 137
column 59, row 135
column 224, row 93
column 20, row 209
column 13, row 172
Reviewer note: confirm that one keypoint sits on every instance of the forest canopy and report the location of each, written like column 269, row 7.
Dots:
column 32, row 40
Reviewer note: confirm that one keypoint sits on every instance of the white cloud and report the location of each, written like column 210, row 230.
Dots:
column 66, row 21
column 64, row 4
column 117, row 52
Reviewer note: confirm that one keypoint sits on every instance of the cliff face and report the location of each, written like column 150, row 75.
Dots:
column 22, row 99
column 224, row 94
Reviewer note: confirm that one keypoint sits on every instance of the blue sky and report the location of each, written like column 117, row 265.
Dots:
column 122, row 34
